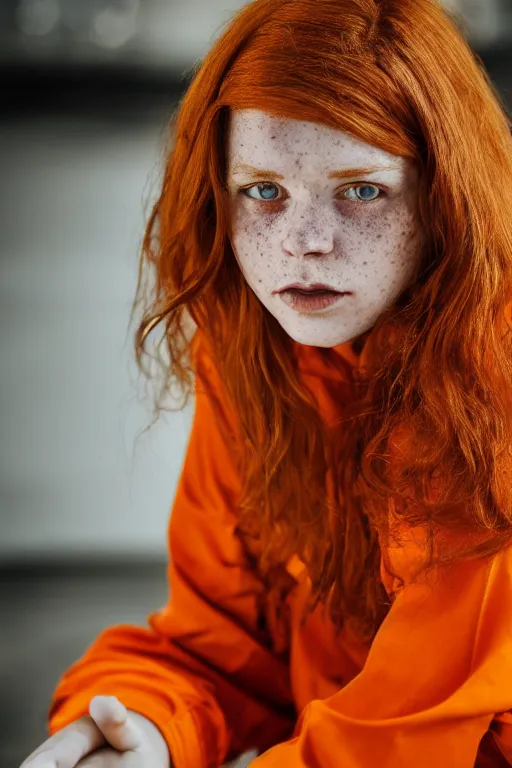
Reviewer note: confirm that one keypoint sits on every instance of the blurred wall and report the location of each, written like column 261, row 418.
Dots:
column 88, row 89
column 487, row 21
column 72, row 477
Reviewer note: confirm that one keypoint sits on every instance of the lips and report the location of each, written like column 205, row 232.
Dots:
column 310, row 298
column 312, row 288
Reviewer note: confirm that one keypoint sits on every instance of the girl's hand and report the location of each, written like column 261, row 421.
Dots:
column 110, row 737
column 131, row 740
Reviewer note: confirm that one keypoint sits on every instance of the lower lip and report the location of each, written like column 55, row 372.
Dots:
column 310, row 302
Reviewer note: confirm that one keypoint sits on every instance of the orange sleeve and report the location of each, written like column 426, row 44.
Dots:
column 438, row 672
column 204, row 670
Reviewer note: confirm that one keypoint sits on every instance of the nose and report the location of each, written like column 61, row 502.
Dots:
column 308, row 238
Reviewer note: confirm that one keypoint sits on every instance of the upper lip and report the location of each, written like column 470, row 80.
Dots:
column 308, row 288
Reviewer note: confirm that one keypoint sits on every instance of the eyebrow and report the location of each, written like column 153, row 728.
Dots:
column 343, row 174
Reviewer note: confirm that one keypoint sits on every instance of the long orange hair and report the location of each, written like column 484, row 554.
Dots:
column 396, row 74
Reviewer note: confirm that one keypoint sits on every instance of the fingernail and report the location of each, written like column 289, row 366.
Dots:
column 118, row 708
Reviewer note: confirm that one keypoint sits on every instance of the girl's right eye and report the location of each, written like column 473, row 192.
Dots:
column 265, row 188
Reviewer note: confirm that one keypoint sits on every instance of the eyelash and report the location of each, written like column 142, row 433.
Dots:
column 279, row 200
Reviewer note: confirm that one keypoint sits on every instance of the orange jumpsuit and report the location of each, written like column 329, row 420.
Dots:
column 434, row 690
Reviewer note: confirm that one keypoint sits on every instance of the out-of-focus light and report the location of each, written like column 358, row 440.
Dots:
column 482, row 18
column 38, row 17
column 452, row 5
column 114, row 26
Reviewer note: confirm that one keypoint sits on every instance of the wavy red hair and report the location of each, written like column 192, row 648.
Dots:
column 396, row 74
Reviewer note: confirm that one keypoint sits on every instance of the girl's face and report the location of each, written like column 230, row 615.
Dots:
column 316, row 209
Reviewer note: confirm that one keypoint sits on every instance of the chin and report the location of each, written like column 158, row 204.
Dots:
column 316, row 338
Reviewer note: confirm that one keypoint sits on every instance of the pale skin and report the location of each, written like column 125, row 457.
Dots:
column 299, row 223
column 110, row 736
column 345, row 215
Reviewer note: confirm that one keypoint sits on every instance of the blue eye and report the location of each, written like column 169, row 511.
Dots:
column 363, row 192
column 269, row 192
column 266, row 188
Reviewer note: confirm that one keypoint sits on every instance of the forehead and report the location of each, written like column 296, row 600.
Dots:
column 257, row 135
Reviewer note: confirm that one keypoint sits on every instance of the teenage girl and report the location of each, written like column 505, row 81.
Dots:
column 330, row 261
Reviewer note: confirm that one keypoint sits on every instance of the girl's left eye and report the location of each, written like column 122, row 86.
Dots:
column 364, row 193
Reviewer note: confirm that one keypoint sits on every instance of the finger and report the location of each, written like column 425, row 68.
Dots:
column 113, row 720
column 68, row 746
column 107, row 757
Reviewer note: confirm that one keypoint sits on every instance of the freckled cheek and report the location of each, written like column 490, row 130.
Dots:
column 399, row 238
column 256, row 245
column 408, row 239
column 387, row 246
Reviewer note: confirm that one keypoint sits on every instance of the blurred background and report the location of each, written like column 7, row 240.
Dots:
column 87, row 92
